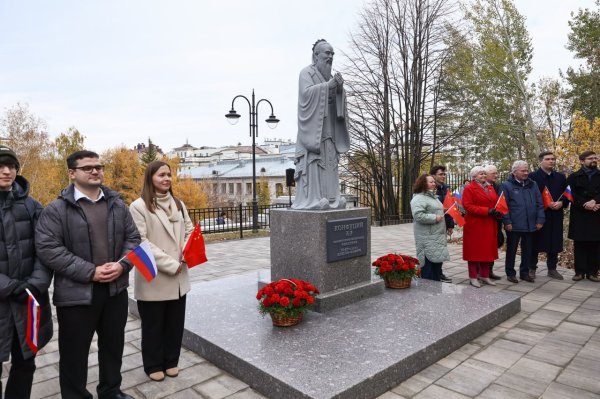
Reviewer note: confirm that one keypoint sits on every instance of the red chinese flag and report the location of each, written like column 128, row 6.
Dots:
column 194, row 252
column 501, row 205
column 547, row 197
column 448, row 200
column 456, row 215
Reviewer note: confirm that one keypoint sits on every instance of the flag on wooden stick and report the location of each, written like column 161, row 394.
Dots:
column 194, row 252
column 501, row 205
column 547, row 197
column 456, row 215
column 33, row 322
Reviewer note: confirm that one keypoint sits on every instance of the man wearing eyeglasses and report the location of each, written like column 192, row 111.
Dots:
column 585, row 217
column 83, row 236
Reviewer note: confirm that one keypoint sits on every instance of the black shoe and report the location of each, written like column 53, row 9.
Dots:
column 554, row 274
column 528, row 278
column 577, row 277
column 122, row 395
column 512, row 279
column 445, row 279
column 594, row 279
column 495, row 276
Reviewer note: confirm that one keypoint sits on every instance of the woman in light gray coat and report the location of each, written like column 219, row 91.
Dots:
column 429, row 228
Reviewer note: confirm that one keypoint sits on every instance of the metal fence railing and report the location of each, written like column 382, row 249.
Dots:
column 232, row 218
column 453, row 180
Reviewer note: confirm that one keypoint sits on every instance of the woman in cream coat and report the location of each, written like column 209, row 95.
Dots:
column 163, row 220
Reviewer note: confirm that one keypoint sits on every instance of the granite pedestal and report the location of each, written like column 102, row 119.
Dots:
column 359, row 351
column 299, row 249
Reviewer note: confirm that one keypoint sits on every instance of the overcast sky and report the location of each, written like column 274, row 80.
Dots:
column 124, row 70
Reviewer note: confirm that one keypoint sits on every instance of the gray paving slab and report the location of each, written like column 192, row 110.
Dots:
column 576, row 379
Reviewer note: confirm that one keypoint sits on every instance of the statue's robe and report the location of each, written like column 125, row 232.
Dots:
column 322, row 136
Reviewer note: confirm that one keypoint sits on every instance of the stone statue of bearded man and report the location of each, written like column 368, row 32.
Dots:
column 322, row 133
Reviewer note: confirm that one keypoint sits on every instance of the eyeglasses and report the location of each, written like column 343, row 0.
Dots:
column 90, row 168
column 591, row 159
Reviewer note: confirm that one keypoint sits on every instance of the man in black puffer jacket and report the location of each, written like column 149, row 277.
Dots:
column 20, row 271
column 83, row 236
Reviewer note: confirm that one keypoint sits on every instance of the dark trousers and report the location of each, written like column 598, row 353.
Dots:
column 76, row 326
column 512, row 242
column 162, row 332
column 587, row 257
column 431, row 270
column 20, row 376
column 551, row 260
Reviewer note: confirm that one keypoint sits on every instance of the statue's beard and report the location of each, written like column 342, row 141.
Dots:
column 325, row 69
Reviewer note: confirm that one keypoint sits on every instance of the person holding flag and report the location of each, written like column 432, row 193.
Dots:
column 429, row 228
column 584, row 220
column 491, row 173
column 163, row 220
column 549, row 238
column 84, row 236
column 480, row 248
column 525, row 216
column 20, row 272
column 445, row 197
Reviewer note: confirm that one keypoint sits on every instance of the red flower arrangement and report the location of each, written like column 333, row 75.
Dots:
column 397, row 267
column 289, row 297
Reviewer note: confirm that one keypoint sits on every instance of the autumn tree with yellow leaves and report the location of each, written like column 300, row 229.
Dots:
column 584, row 136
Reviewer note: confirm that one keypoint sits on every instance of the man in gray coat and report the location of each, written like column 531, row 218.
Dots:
column 20, row 271
column 83, row 236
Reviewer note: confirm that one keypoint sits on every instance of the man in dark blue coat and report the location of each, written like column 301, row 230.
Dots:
column 549, row 239
column 439, row 175
column 585, row 217
column 525, row 216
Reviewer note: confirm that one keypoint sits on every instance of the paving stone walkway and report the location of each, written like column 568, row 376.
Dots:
column 551, row 349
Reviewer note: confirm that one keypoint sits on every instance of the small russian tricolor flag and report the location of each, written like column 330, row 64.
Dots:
column 142, row 258
column 33, row 322
column 568, row 194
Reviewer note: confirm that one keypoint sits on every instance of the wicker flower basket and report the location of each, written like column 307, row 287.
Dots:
column 402, row 283
column 280, row 320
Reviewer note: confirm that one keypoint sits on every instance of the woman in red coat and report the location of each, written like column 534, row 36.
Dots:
column 479, row 236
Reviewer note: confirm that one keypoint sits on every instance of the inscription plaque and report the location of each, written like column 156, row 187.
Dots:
column 346, row 238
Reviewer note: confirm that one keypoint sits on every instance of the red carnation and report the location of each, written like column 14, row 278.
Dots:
column 296, row 302
column 288, row 291
column 310, row 300
column 279, row 288
column 285, row 301
column 269, row 290
column 267, row 302
column 275, row 298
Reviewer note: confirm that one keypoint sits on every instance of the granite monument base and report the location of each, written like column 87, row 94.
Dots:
column 359, row 351
column 330, row 249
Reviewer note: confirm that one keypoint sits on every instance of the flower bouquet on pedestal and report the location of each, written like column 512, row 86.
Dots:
column 397, row 270
column 286, row 300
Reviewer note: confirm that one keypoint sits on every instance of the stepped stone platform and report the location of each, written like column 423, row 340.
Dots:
column 357, row 351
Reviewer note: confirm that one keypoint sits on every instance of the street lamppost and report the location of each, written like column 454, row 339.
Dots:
column 272, row 121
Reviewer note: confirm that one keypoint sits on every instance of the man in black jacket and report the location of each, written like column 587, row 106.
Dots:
column 585, row 217
column 83, row 236
column 20, row 271
column 439, row 175
column 549, row 239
